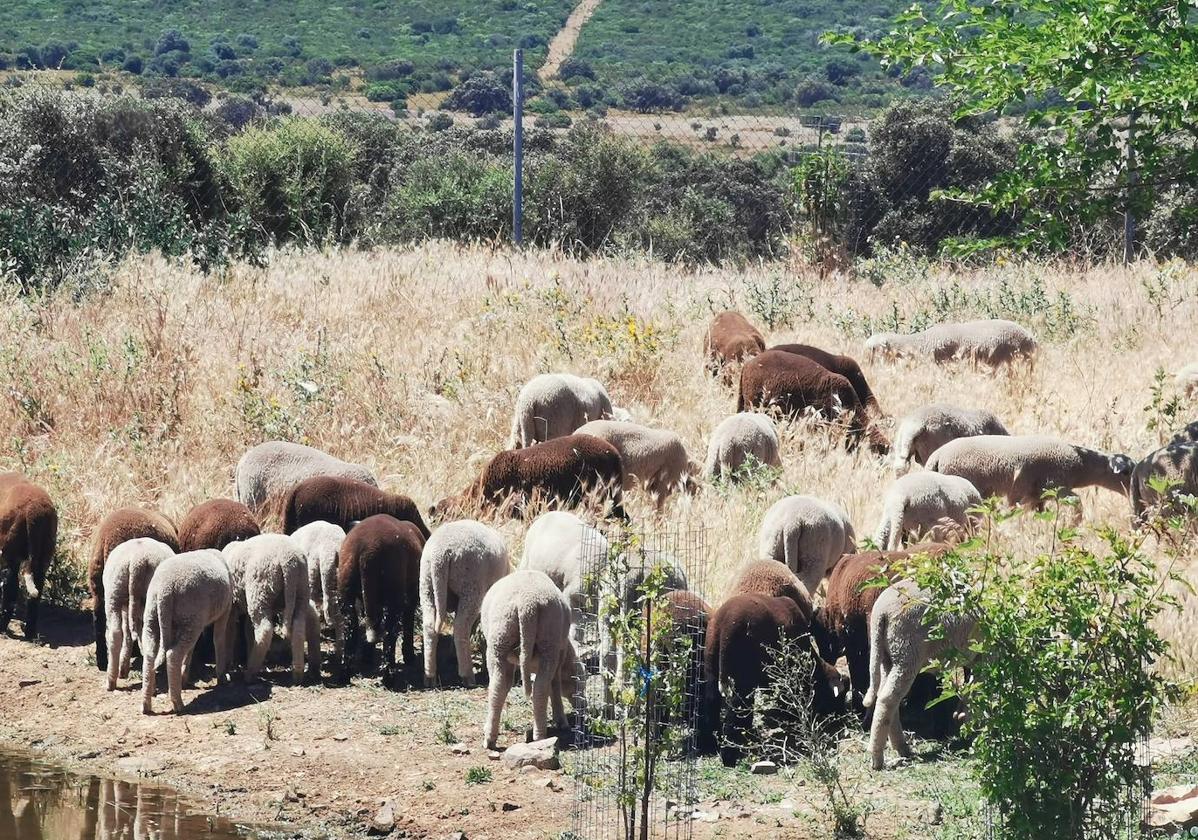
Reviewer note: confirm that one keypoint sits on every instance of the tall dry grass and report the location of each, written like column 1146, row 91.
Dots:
column 410, row 360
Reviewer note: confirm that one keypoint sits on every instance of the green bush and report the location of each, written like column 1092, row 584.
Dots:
column 453, row 195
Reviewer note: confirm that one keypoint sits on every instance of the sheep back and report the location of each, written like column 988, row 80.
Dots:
column 343, row 501
column 845, row 366
column 731, row 338
column 269, row 471
column 216, row 523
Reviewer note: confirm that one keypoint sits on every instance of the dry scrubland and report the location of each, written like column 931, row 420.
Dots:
column 409, row 361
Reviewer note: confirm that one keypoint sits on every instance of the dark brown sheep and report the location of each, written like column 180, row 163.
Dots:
column 563, row 470
column 846, row 366
column 742, row 636
column 731, row 338
column 379, row 565
column 769, row 577
column 793, row 384
column 123, row 524
column 688, row 615
column 343, row 501
column 215, row 524
column 844, row 618
column 28, row 534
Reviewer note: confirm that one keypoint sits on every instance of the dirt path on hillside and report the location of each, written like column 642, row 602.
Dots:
column 562, row 45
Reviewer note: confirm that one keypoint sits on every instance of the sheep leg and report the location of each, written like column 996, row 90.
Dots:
column 116, row 639
column 10, row 598
column 886, row 723
column 175, row 655
column 502, row 675
column 263, row 634
column 299, row 633
column 220, row 641
column 463, row 627
column 390, row 639
column 127, row 647
column 312, row 634
column 555, row 697
column 409, row 632
column 738, row 716
column 149, row 677
column 350, row 642
column 430, row 650
column 33, row 605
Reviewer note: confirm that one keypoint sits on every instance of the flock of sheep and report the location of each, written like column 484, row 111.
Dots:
column 359, row 560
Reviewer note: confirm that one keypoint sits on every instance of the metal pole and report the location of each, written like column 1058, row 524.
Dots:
column 1133, row 178
column 518, row 147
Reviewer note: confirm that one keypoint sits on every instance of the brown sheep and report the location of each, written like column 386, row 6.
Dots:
column 742, row 636
column 122, row 525
column 563, row 470
column 28, row 535
column 846, row 366
column 794, row 383
column 843, row 621
column 380, row 566
column 769, row 577
column 343, row 501
column 730, row 338
column 215, row 524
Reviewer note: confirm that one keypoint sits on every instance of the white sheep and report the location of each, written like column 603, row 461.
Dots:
column 525, row 621
column 926, row 429
column 460, row 563
column 655, row 459
column 127, row 574
column 552, row 405
column 269, row 470
column 564, row 547
column 901, row 646
column 926, row 504
column 739, row 439
column 270, row 585
column 188, row 592
column 320, row 542
column 1020, row 468
column 1186, row 380
column 807, row 534
column 992, row 342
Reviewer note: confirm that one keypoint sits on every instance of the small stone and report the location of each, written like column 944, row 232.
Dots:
column 510, row 806
column 291, row 794
column 530, row 770
column 297, row 751
column 27, row 683
column 383, row 821
column 84, row 756
column 458, row 835
column 340, row 736
column 539, row 754
column 460, row 749
column 494, row 755
column 934, row 813
column 764, row 768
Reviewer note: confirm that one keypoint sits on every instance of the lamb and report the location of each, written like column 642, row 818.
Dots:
column 459, row 564
column 343, row 501
column 845, row 366
column 901, row 646
column 526, row 620
column 742, row 637
column 654, row 458
column 795, row 384
column 187, row 593
column 380, row 566
column 119, row 526
column 926, row 504
column 1186, row 380
column 215, row 524
column 562, row 471
column 553, row 405
column 28, row 540
column 807, row 534
column 127, row 576
column 926, row 429
column 1021, row 468
column 730, row 338
column 267, row 472
column 321, row 544
column 739, row 441
column 1177, row 464
column 270, row 586
column 991, row 342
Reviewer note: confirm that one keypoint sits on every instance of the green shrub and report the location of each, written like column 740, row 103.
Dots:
column 453, row 195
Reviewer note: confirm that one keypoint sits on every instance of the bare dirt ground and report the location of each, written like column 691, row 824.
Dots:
column 562, row 45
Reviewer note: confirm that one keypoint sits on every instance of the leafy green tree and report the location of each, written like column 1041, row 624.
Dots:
column 1081, row 72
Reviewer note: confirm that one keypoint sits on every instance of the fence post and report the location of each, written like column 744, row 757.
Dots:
column 1129, row 215
column 518, row 147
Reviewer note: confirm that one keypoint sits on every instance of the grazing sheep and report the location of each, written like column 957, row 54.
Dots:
column 553, row 405
column 990, row 342
column 730, row 338
column 120, row 526
column 28, row 536
column 127, row 576
column 563, row 471
column 774, row 579
column 926, row 429
column 526, row 621
column 796, row 385
column 744, row 438
column 1187, row 380
column 742, row 636
column 688, row 616
column 215, row 524
column 270, row 585
column 1020, row 468
column 268, row 472
column 460, row 562
column 901, row 646
column 807, row 534
column 321, row 544
column 1177, row 464
column 655, row 458
column 343, row 501
column 187, row 593
column 380, row 567
column 845, row 366
column 926, row 504
column 1187, row 435
column 564, row 547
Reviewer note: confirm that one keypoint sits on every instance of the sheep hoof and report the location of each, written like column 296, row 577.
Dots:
column 430, row 682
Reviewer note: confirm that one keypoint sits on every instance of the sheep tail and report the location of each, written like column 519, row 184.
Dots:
column 527, row 621
column 441, row 597
column 34, row 552
column 293, row 580
column 903, row 441
column 879, row 629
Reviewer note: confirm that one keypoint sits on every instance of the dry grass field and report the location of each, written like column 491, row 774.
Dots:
column 409, row 361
